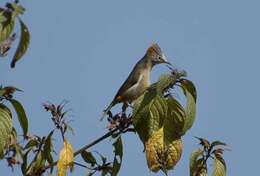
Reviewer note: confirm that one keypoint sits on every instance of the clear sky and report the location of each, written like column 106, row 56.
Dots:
column 82, row 51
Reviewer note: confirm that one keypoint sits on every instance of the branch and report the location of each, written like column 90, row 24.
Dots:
column 108, row 134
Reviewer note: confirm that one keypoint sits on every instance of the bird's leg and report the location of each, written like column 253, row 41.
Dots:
column 124, row 107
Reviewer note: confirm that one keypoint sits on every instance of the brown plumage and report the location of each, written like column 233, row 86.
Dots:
column 139, row 79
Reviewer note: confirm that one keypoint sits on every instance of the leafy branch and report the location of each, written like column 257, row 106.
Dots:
column 199, row 158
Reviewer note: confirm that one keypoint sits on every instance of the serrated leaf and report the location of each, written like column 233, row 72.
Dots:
column 21, row 115
column 118, row 150
column 23, row 43
column 88, row 157
column 193, row 160
column 219, row 166
column 190, row 109
column 66, row 159
column 5, row 128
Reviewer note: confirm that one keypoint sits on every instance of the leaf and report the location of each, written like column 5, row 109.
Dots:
column 160, row 154
column 7, row 26
column 219, row 166
column 159, row 122
column 118, row 150
column 24, row 164
column 165, row 82
column 23, row 44
column 190, row 110
column 66, row 159
column 149, row 114
column 8, row 90
column 31, row 143
column 216, row 143
column 175, row 120
column 2, row 17
column 204, row 142
column 21, row 115
column 5, row 128
column 39, row 162
column 199, row 168
column 88, row 157
column 47, row 149
column 193, row 160
column 17, row 9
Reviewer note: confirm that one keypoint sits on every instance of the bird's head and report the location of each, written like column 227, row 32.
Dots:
column 155, row 55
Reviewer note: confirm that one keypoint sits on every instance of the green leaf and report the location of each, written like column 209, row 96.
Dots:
column 149, row 113
column 193, row 160
column 47, row 149
column 24, row 164
column 219, row 166
column 165, row 82
column 2, row 17
column 21, row 115
column 5, row 128
column 6, row 27
column 175, row 120
column 189, row 91
column 118, row 150
column 88, row 157
column 18, row 9
column 23, row 43
column 38, row 162
column 31, row 143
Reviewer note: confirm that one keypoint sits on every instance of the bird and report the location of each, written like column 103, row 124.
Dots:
column 139, row 78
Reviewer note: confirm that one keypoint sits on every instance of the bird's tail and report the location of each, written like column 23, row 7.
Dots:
column 107, row 109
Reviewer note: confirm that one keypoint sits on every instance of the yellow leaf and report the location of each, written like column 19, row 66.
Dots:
column 66, row 159
column 161, row 155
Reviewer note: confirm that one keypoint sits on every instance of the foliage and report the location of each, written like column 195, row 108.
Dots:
column 158, row 117
column 199, row 158
column 66, row 159
column 8, row 17
column 160, row 120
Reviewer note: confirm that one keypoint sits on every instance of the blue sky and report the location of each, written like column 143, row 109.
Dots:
column 82, row 51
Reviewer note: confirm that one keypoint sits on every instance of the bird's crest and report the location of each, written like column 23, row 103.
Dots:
column 154, row 50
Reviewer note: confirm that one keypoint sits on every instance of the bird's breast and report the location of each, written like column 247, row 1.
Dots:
column 138, row 89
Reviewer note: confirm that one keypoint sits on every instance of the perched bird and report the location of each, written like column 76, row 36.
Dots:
column 139, row 79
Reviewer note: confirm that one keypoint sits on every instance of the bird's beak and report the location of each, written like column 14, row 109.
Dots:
column 164, row 60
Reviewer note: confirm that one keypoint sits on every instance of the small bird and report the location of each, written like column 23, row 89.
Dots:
column 139, row 79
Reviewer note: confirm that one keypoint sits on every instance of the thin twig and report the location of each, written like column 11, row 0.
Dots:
column 108, row 134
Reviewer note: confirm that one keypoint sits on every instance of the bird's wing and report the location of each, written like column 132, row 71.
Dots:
column 131, row 81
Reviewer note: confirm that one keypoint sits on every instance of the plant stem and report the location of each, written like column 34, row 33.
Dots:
column 108, row 134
